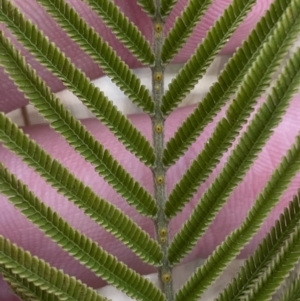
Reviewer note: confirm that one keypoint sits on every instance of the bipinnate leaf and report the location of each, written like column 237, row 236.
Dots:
column 124, row 29
column 253, row 85
column 49, row 106
column 35, row 278
column 86, row 251
column 196, row 66
column 183, row 28
column 241, row 158
column 102, row 212
column 92, row 43
column 233, row 75
column 148, row 6
column 234, row 243
column 266, row 253
column 77, row 82
column 166, row 7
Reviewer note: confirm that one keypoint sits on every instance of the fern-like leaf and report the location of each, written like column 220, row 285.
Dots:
column 230, row 78
column 24, row 270
column 241, row 158
column 86, row 37
column 166, row 7
column 148, row 6
column 75, row 243
column 102, row 212
column 124, row 29
column 183, row 28
column 234, row 243
column 52, row 58
column 267, row 251
column 254, row 83
column 196, row 66
column 49, row 106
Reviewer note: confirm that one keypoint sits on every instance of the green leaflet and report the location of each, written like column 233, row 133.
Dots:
column 28, row 274
column 254, row 83
column 183, row 27
column 148, row 6
column 196, row 66
column 72, row 130
column 241, row 158
column 75, row 243
column 267, row 251
column 124, row 29
column 234, row 243
column 100, row 51
column 166, row 6
column 291, row 291
column 52, row 58
column 102, row 212
column 230, row 78
column 278, row 270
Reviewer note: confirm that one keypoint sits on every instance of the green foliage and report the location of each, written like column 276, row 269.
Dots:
column 101, row 211
column 100, row 51
column 245, row 78
column 52, row 58
column 34, row 277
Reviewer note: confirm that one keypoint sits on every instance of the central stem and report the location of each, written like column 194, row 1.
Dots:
column 159, row 171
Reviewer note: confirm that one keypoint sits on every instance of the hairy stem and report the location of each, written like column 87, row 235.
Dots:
column 159, row 171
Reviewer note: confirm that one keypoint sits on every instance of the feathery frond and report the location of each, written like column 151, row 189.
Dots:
column 251, row 143
column 102, row 212
column 124, row 29
column 196, row 66
column 166, row 7
column 255, row 81
column 232, row 76
column 49, row 106
column 52, row 58
column 91, row 42
column 27, row 273
column 75, row 243
column 183, row 28
column 234, row 243
column 267, row 251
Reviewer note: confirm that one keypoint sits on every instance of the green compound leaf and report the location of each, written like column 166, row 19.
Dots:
column 86, row 251
column 235, row 242
column 49, row 106
column 166, row 6
column 124, row 29
column 77, row 82
column 197, row 65
column 183, row 28
column 231, row 77
column 35, row 278
column 85, row 36
column 102, row 212
column 266, row 252
column 148, row 6
column 241, row 158
column 254, row 83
